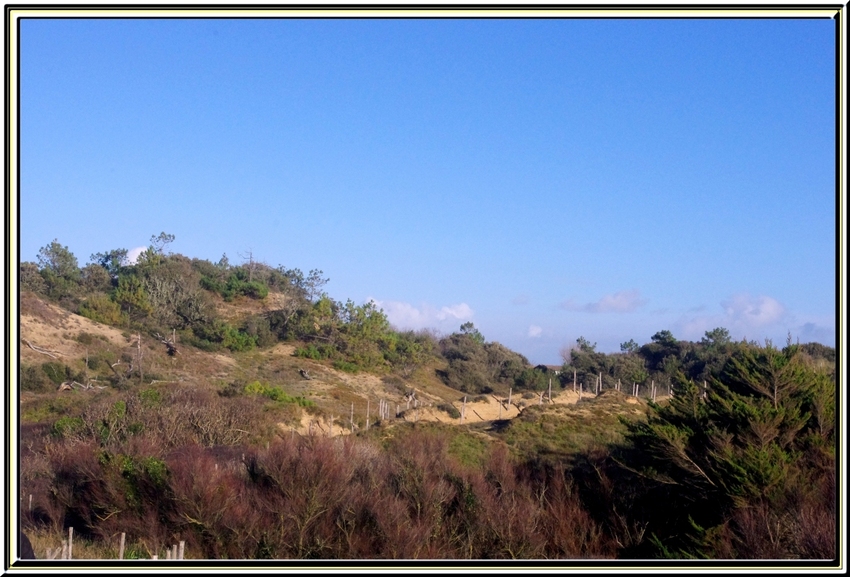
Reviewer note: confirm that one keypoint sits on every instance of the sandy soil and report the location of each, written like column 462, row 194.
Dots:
column 47, row 326
column 427, row 411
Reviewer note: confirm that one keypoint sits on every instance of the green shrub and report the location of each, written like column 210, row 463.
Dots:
column 222, row 334
column 56, row 372
column 235, row 286
column 532, row 379
column 346, row 366
column 450, row 409
column 276, row 394
column 102, row 309
column 67, row 427
column 34, row 379
column 85, row 338
column 315, row 352
column 150, row 397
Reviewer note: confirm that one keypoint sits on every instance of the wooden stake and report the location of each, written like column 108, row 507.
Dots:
column 30, row 508
column 141, row 372
column 574, row 380
column 509, row 397
column 550, row 389
column 181, row 549
column 174, row 551
column 580, row 389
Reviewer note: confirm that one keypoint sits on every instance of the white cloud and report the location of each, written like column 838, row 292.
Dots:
column 743, row 315
column 404, row 315
column 619, row 302
column 534, row 331
column 459, row 312
column 753, row 312
column 133, row 254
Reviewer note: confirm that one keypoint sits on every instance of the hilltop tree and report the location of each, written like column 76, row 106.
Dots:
column 58, row 267
column 59, row 261
column 468, row 328
column 716, row 338
column 629, row 346
column 159, row 242
column 113, row 261
column 585, row 346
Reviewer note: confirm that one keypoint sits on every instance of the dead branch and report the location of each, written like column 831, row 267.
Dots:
column 170, row 347
column 71, row 385
column 41, row 350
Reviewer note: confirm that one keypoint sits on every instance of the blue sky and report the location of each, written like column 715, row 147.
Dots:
column 544, row 179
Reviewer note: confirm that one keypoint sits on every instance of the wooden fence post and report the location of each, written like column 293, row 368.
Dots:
column 550, row 389
column 181, row 549
column 121, row 546
column 70, row 542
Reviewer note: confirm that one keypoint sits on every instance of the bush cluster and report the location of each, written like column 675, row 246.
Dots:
column 319, row 498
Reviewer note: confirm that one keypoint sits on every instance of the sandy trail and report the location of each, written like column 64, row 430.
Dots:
column 493, row 409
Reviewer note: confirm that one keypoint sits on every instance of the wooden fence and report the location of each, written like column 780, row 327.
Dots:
column 175, row 552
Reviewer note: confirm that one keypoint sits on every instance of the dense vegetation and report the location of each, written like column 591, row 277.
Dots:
column 739, row 462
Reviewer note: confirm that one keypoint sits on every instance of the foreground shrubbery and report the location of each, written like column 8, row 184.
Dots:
column 317, row 498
